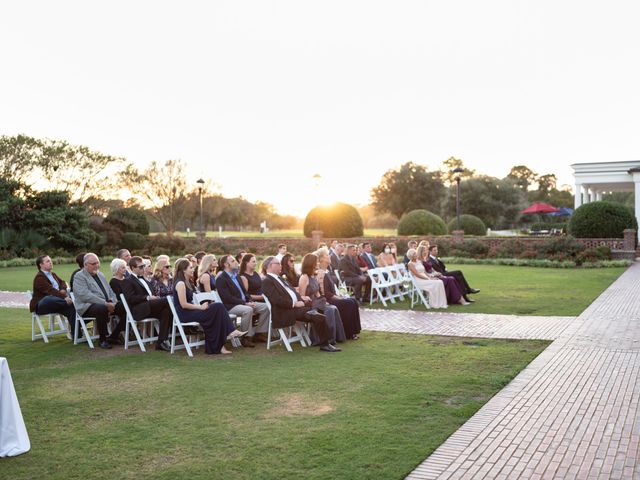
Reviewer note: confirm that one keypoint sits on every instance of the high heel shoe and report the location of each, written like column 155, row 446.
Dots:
column 236, row 333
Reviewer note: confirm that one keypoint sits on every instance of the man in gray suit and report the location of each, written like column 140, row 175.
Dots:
column 93, row 296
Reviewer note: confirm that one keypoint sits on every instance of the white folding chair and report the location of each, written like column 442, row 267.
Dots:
column 283, row 337
column 341, row 285
column 187, row 340
column 213, row 296
column 418, row 295
column 81, row 322
column 57, row 325
column 380, row 285
column 397, row 277
column 149, row 327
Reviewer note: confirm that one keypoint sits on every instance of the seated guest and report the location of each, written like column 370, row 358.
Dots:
column 94, row 297
column 118, row 270
column 288, row 262
column 237, row 301
column 353, row 276
column 263, row 270
column 439, row 266
column 162, row 282
column 163, row 257
column 148, row 269
column 143, row 304
column 386, row 257
column 124, row 254
column 50, row 293
column 282, row 250
column 367, row 256
column 337, row 249
column 207, row 277
column 435, row 288
column 347, row 306
column 251, row 280
column 239, row 256
column 212, row 317
column 288, row 307
column 364, row 266
column 411, row 244
column 80, row 262
column 451, row 287
column 310, row 287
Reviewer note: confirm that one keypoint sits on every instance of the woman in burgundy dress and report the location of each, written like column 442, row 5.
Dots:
column 451, row 287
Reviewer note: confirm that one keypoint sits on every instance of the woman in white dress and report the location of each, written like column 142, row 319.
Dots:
column 435, row 288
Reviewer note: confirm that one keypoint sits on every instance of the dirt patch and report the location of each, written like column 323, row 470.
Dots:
column 295, row 404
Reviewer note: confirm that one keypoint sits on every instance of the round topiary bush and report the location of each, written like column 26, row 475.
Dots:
column 601, row 220
column 339, row 220
column 471, row 225
column 421, row 222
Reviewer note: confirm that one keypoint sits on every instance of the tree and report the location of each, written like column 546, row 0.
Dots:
column 496, row 202
column 19, row 156
column 449, row 165
column 523, row 176
column 163, row 187
column 128, row 220
column 408, row 188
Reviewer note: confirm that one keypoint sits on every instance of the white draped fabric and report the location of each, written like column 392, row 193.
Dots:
column 14, row 439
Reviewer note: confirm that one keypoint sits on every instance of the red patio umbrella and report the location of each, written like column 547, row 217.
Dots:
column 540, row 207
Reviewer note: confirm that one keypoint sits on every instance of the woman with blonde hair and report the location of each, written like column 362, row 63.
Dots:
column 451, row 287
column 207, row 276
column 162, row 282
column 435, row 288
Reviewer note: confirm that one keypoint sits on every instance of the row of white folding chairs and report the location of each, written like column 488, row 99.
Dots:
column 390, row 283
column 57, row 324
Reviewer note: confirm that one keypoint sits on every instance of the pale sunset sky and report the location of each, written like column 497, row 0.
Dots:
column 259, row 96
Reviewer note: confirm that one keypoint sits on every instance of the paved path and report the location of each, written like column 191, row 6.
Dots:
column 573, row 413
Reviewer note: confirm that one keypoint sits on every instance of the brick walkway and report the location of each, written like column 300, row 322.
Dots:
column 573, row 413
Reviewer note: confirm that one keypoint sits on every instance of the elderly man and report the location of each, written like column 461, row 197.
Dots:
column 137, row 292
column 337, row 249
column 287, row 306
column 411, row 245
column 94, row 297
column 124, row 254
column 50, row 293
column 237, row 301
column 353, row 276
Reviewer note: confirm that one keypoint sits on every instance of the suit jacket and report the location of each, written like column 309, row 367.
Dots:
column 228, row 291
column 42, row 287
column 136, row 296
column 335, row 260
column 283, row 313
column 349, row 267
column 438, row 265
column 369, row 261
column 87, row 292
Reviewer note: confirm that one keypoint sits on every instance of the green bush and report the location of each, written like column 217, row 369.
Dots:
column 165, row 244
column 594, row 254
column 133, row 241
column 339, row 220
column 421, row 222
column 511, row 248
column 26, row 243
column 471, row 225
column 469, row 248
column 601, row 220
column 128, row 220
column 559, row 248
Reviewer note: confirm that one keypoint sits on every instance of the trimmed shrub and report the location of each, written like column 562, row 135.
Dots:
column 601, row 220
column 421, row 222
column 339, row 220
column 133, row 241
column 511, row 248
column 128, row 220
column 167, row 244
column 559, row 248
column 469, row 248
column 471, row 225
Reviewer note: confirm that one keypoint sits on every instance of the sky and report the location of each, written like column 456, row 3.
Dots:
column 259, row 96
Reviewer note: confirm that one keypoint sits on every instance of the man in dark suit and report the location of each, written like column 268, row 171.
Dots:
column 50, row 293
column 287, row 306
column 237, row 301
column 353, row 276
column 439, row 266
column 143, row 304
column 367, row 256
column 412, row 244
column 335, row 254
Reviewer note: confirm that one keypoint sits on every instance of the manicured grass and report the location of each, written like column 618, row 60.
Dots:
column 528, row 290
column 374, row 411
column 504, row 289
column 293, row 233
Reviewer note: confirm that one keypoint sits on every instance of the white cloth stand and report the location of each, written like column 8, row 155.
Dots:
column 14, row 439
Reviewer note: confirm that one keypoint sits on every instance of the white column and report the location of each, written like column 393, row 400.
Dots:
column 598, row 195
column 578, row 196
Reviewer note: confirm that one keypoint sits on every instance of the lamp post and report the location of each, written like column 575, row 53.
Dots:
column 200, row 183
column 458, row 171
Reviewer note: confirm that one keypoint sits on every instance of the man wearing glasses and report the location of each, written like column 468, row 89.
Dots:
column 93, row 296
column 137, row 291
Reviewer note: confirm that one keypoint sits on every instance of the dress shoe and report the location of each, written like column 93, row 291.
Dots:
column 245, row 342
column 312, row 316
column 106, row 345
column 329, row 348
column 115, row 341
column 164, row 346
column 467, row 299
column 259, row 338
column 474, row 290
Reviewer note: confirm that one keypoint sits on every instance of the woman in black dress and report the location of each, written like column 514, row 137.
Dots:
column 251, row 280
column 288, row 269
column 213, row 317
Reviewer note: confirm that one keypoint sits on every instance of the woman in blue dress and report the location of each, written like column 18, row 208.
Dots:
column 213, row 317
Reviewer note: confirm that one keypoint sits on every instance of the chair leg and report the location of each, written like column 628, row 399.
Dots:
column 285, row 340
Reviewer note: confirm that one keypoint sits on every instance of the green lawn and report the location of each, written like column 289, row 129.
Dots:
column 504, row 289
column 528, row 290
column 293, row 233
column 374, row 411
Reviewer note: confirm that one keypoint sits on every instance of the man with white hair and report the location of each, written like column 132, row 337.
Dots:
column 94, row 297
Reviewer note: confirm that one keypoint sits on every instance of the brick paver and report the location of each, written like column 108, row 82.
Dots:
column 573, row 413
